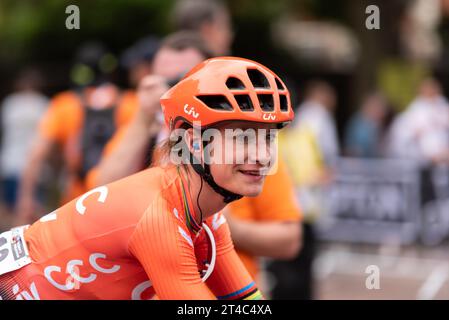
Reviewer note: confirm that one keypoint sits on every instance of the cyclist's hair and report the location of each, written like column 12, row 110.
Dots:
column 161, row 154
column 192, row 14
column 183, row 40
column 163, row 150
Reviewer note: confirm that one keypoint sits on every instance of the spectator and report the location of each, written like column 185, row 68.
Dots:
column 364, row 136
column 299, row 148
column 315, row 113
column 309, row 147
column 421, row 131
column 421, row 134
column 79, row 121
column 21, row 112
column 210, row 19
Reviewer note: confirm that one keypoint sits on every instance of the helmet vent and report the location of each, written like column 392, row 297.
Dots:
column 234, row 84
column 244, row 102
column 279, row 84
column 283, row 102
column 258, row 79
column 216, row 102
column 266, row 102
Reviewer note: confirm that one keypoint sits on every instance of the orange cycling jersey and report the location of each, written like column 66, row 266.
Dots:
column 132, row 239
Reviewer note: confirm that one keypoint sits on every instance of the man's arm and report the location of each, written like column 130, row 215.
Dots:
column 55, row 127
column 281, row 240
column 26, row 205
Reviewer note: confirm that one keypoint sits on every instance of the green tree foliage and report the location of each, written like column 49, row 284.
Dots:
column 35, row 30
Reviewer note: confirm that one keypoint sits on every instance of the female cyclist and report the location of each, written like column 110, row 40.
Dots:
column 159, row 232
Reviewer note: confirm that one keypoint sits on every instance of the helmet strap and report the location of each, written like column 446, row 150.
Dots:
column 204, row 173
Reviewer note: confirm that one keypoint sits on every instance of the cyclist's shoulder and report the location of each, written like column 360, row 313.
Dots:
column 143, row 188
column 165, row 202
column 165, row 182
column 153, row 179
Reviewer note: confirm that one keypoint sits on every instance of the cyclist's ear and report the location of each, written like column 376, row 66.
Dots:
column 193, row 141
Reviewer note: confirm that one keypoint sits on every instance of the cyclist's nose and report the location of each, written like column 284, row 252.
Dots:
column 262, row 154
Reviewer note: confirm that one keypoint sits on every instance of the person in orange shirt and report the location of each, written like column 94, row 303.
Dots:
column 160, row 231
column 80, row 122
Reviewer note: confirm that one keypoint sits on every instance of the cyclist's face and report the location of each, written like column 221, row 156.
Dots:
column 248, row 151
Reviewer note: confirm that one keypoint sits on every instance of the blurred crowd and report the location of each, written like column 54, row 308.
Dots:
column 55, row 148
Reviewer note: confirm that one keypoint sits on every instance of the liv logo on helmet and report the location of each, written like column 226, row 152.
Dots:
column 268, row 116
column 191, row 111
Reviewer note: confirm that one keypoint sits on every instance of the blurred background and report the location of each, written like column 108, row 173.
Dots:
column 368, row 151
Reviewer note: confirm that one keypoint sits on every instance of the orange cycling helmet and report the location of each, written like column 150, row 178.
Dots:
column 227, row 88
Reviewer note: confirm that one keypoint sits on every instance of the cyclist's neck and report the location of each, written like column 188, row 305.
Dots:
column 209, row 202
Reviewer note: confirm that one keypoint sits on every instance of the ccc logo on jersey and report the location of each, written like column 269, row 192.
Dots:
column 72, row 270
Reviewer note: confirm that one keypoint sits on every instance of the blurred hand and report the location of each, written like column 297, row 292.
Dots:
column 25, row 211
column 149, row 91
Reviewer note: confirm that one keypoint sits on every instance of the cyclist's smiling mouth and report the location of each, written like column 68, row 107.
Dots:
column 253, row 175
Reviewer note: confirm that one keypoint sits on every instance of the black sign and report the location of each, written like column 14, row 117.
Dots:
column 373, row 201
